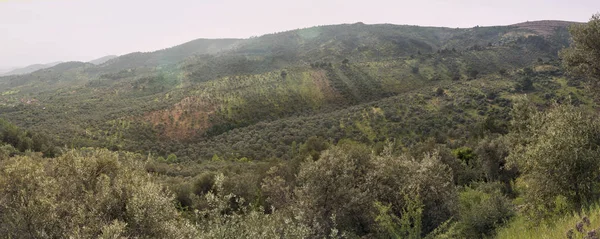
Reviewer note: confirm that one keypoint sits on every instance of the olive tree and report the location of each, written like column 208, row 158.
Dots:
column 85, row 194
column 332, row 191
column 557, row 154
column 583, row 56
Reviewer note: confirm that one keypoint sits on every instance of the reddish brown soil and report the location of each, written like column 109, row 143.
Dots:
column 183, row 120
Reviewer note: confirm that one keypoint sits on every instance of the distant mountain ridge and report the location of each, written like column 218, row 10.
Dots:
column 6, row 69
column 103, row 59
column 30, row 68
column 544, row 27
column 36, row 67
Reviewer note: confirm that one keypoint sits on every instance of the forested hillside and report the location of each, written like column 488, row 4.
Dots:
column 201, row 91
column 342, row 131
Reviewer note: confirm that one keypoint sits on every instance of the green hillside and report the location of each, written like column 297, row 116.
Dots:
column 201, row 89
column 341, row 131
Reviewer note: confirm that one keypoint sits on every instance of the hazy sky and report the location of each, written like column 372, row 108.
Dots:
column 42, row 31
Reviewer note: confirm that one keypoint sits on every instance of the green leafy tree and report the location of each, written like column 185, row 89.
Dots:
column 313, row 147
column 85, row 194
column 557, row 153
column 171, row 158
column 276, row 189
column 492, row 153
column 482, row 211
column 220, row 220
column 427, row 176
column 465, row 154
column 583, row 56
column 334, row 186
column 408, row 226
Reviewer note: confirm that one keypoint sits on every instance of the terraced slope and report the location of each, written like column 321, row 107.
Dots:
column 201, row 93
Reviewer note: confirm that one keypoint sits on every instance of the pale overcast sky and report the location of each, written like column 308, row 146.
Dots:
column 42, row 31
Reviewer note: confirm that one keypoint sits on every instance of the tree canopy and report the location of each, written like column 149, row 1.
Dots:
column 583, row 56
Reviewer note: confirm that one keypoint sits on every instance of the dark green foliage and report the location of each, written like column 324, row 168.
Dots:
column 25, row 141
column 109, row 105
column 492, row 154
column 465, row 155
column 313, row 147
column 415, row 70
column 473, row 73
column 204, row 183
column 525, row 84
column 439, row 92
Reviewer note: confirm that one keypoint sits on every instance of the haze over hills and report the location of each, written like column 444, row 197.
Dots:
column 29, row 69
column 36, row 67
column 103, row 59
column 6, row 69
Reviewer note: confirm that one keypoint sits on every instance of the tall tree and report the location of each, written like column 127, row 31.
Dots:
column 583, row 56
column 557, row 154
column 332, row 191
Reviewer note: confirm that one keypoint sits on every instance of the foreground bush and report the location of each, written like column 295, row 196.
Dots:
column 482, row 211
column 85, row 194
column 221, row 221
column 557, row 154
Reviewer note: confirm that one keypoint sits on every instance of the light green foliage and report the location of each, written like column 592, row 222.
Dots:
column 85, row 194
column 556, row 152
column 396, row 176
column 521, row 226
column 583, row 56
column 6, row 151
column 219, row 220
column 215, row 158
column 336, row 184
column 482, row 211
column 384, row 195
column 171, row 158
column 408, row 226
column 277, row 191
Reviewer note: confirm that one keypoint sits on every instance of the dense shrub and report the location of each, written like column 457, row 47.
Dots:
column 87, row 193
column 482, row 211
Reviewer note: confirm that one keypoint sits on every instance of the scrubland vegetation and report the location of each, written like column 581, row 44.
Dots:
column 348, row 131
